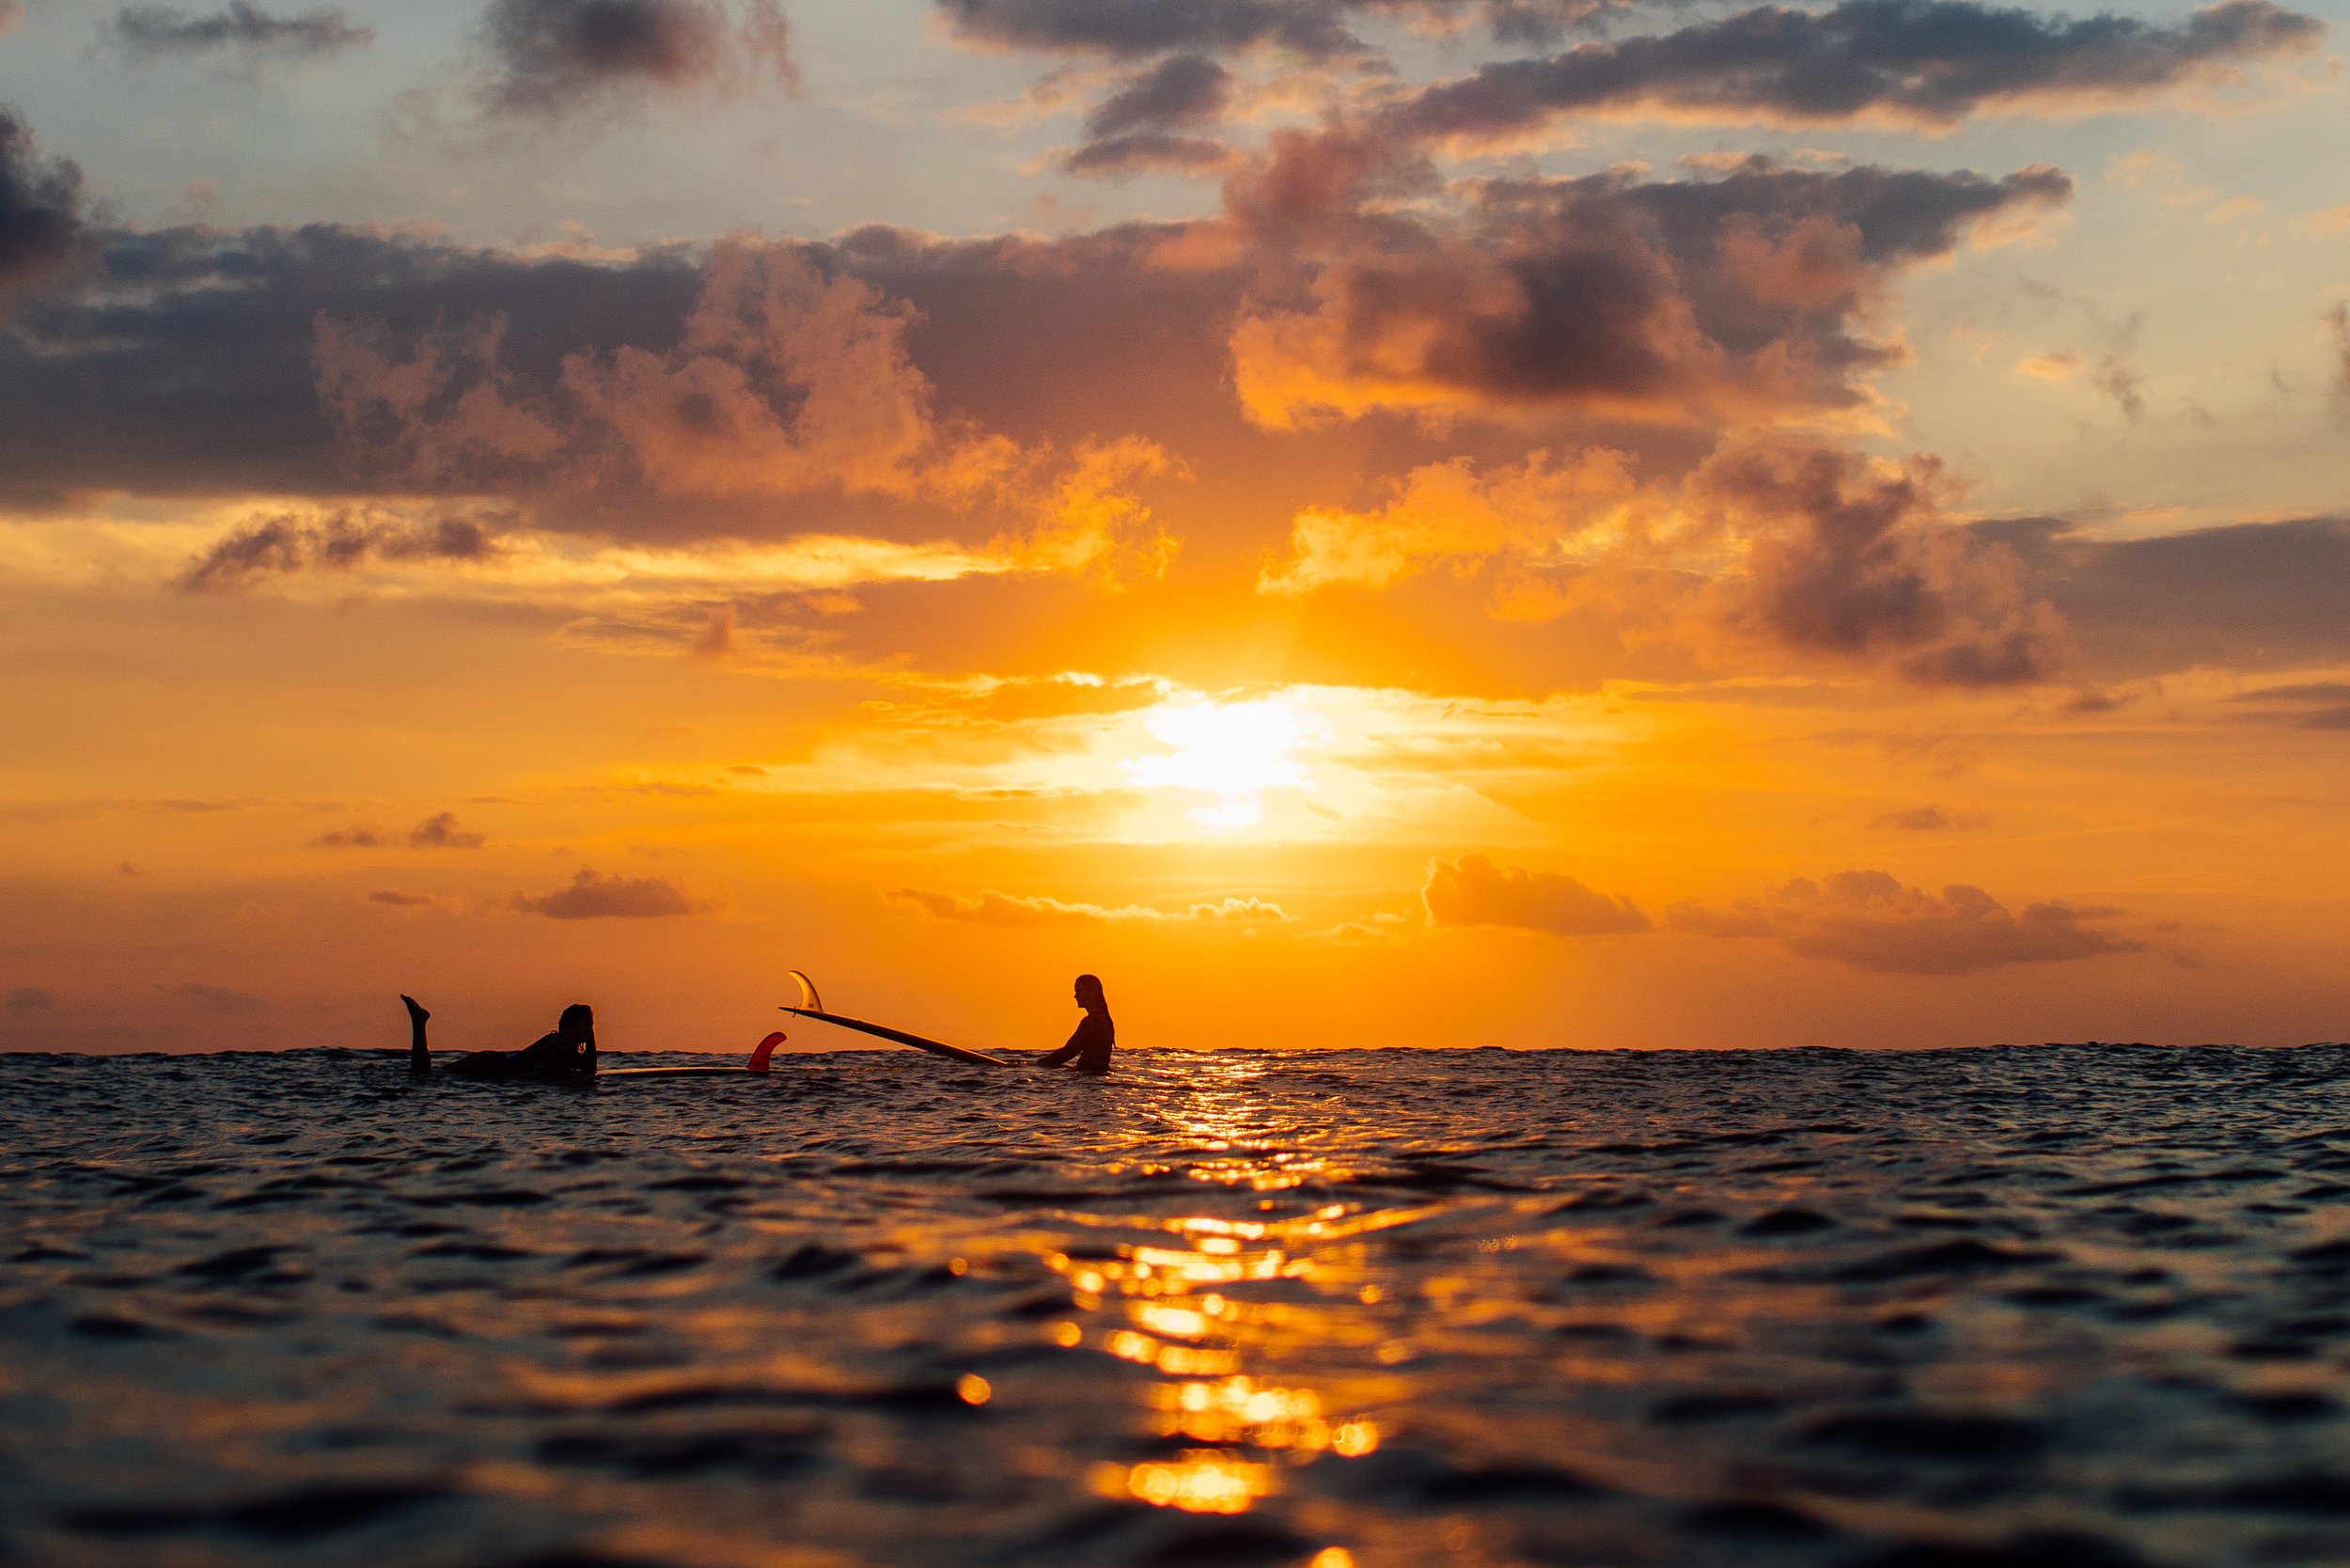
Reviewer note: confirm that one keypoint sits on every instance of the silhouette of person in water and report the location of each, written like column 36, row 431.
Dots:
column 1090, row 1044
column 570, row 1052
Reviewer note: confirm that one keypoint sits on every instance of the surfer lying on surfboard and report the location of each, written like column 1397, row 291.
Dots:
column 1095, row 1034
column 570, row 1052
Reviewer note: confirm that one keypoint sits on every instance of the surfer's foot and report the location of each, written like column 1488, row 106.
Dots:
column 416, row 1014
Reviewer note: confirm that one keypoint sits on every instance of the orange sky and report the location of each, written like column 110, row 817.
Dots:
column 1421, row 530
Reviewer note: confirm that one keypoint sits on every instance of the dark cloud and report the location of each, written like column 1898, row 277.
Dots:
column 1141, row 125
column 1142, row 151
column 1928, row 819
column 1188, row 89
column 1925, row 63
column 1850, row 559
column 1679, row 301
column 1473, row 891
column 438, row 831
column 591, row 896
column 2242, row 596
column 286, row 543
column 441, row 831
column 551, row 56
column 401, row 901
column 40, row 208
column 214, row 998
column 1869, row 920
column 1319, row 29
column 184, row 366
column 162, row 30
column 2310, row 705
column 1128, row 28
column 28, row 999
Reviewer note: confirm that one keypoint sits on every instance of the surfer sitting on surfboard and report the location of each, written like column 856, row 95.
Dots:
column 570, row 1052
column 1090, row 1044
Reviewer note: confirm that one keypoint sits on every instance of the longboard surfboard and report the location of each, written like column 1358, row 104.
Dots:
column 812, row 1006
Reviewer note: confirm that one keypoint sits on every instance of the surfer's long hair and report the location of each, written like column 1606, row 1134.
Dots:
column 578, row 1023
column 1093, row 983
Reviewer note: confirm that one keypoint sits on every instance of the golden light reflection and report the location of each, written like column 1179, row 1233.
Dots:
column 1191, row 1317
column 1189, row 1328
column 1199, row 1481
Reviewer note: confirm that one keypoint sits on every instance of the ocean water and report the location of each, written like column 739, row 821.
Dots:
column 2076, row 1305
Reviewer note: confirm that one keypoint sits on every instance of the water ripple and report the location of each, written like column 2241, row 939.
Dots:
column 2076, row 1305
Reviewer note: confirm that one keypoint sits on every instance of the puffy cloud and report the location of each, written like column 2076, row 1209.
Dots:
column 591, row 896
column 27, row 999
column 786, row 380
column 187, row 368
column 357, row 836
column 553, row 56
column 991, row 908
column 1781, row 541
column 1870, row 921
column 1737, row 298
column 1848, row 558
column 1357, row 933
column 40, row 208
column 287, row 543
column 163, row 30
column 1473, row 891
column 440, row 831
column 1449, row 511
column 1926, row 64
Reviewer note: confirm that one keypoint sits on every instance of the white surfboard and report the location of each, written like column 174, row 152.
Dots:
column 812, row 1006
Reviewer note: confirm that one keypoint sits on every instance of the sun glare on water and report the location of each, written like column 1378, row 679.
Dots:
column 1227, row 753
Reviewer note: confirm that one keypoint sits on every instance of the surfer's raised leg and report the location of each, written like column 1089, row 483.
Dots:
column 419, row 1054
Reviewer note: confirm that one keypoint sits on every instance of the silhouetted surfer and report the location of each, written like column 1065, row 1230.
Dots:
column 1090, row 1044
column 570, row 1052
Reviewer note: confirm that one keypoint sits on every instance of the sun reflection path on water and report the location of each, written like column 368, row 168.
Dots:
column 1188, row 1317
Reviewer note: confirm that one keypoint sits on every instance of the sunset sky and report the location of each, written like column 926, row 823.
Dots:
column 1525, row 523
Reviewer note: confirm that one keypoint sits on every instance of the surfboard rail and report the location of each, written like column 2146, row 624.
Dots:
column 812, row 1006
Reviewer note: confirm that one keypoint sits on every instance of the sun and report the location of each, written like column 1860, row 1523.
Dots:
column 1226, row 753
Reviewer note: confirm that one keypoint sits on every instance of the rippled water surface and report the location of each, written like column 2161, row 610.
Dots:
column 2073, row 1306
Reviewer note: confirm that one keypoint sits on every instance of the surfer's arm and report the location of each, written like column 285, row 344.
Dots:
column 1076, row 1043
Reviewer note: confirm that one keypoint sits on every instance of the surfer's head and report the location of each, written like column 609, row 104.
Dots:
column 577, row 1025
column 1090, row 992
